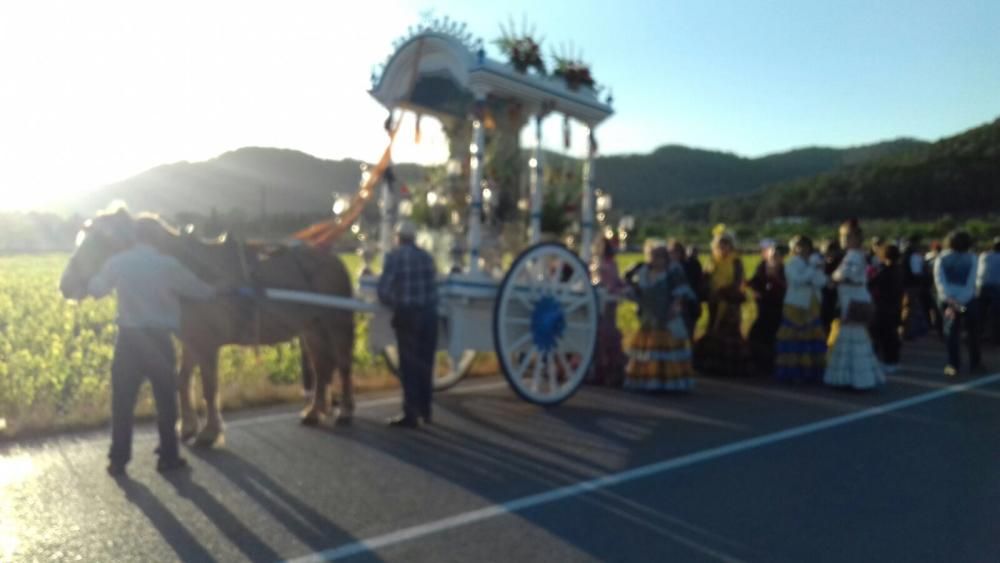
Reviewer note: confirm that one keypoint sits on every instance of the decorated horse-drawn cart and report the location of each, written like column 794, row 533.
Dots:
column 541, row 316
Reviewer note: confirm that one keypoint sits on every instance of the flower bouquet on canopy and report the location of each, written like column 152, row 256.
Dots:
column 573, row 71
column 523, row 51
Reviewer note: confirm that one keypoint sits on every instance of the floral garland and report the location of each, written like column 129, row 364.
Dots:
column 574, row 72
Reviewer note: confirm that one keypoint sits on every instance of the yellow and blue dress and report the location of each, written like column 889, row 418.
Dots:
column 660, row 352
column 801, row 348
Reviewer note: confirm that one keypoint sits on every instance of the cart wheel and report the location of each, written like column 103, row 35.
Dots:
column 446, row 373
column 545, row 324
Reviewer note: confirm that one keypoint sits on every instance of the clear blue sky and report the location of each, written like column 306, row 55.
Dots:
column 758, row 76
column 94, row 92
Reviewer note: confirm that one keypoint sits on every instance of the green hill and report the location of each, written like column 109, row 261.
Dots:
column 958, row 176
column 673, row 175
column 281, row 181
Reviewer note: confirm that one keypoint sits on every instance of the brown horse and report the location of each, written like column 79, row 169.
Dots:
column 326, row 335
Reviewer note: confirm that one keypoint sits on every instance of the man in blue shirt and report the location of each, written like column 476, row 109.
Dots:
column 149, row 286
column 409, row 286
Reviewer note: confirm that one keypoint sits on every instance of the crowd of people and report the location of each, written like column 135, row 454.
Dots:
column 837, row 312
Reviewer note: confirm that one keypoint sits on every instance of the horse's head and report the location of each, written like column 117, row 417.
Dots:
column 99, row 239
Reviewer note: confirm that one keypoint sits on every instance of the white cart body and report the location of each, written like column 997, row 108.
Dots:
column 541, row 319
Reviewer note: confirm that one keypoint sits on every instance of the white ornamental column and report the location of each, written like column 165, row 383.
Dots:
column 587, row 206
column 387, row 209
column 537, row 183
column 476, row 155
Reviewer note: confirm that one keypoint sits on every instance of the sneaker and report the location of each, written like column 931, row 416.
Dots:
column 164, row 465
column 950, row 371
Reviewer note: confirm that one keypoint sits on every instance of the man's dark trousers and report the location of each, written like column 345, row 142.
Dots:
column 969, row 322
column 416, row 337
column 143, row 353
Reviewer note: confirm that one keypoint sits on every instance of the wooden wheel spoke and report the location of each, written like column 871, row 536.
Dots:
column 572, row 306
column 524, row 339
column 536, row 374
column 562, row 364
column 552, row 370
column 519, row 296
column 523, row 366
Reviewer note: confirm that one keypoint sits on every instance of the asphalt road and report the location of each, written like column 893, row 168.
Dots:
column 739, row 470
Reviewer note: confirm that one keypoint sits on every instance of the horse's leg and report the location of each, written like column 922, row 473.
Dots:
column 322, row 361
column 308, row 372
column 189, row 418
column 309, row 378
column 342, row 343
column 211, row 434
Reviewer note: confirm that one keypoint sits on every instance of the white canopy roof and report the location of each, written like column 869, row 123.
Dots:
column 450, row 74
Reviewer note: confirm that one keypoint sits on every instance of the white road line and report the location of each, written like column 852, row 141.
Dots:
column 576, row 489
column 939, row 385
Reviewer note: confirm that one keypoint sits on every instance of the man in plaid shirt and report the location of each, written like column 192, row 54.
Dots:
column 408, row 286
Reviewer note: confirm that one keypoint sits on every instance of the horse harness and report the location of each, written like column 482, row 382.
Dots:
column 250, row 259
column 241, row 253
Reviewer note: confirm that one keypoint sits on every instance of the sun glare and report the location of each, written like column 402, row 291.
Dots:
column 429, row 149
column 95, row 94
column 14, row 469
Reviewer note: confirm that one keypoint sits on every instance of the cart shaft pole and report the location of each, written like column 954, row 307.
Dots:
column 321, row 300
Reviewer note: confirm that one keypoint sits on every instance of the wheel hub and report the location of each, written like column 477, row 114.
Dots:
column 547, row 323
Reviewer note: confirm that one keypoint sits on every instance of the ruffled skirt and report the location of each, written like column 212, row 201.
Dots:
column 659, row 361
column 852, row 361
column 801, row 344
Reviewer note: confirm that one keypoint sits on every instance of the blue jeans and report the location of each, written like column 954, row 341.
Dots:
column 140, row 354
column 953, row 327
column 416, row 338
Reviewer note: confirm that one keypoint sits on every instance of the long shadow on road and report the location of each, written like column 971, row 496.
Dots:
column 500, row 449
column 228, row 523
column 500, row 465
column 167, row 525
column 304, row 522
